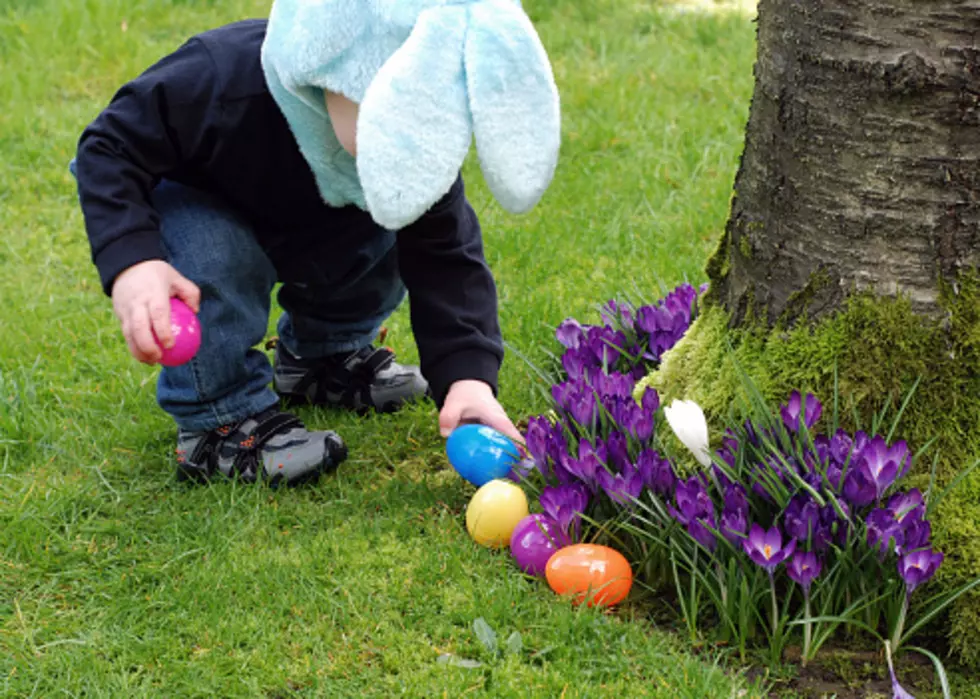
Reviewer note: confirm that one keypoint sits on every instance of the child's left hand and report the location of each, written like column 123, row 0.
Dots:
column 473, row 401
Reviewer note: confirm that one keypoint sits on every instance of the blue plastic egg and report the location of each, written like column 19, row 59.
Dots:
column 481, row 454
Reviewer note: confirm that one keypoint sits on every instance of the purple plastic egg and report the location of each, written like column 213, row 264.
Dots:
column 534, row 540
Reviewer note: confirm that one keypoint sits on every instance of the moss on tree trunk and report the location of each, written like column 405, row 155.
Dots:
column 854, row 240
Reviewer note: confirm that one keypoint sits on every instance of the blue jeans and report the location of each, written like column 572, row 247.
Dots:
column 338, row 287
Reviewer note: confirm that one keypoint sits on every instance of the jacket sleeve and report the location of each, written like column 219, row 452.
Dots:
column 155, row 125
column 452, row 294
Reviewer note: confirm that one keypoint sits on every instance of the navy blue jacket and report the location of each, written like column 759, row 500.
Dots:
column 204, row 117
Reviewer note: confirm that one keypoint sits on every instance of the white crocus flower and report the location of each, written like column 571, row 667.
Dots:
column 686, row 419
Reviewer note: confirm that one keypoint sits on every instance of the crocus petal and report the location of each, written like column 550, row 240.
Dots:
column 686, row 419
column 812, row 410
column 773, row 539
column 569, row 333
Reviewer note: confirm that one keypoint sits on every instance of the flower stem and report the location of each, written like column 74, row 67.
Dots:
column 775, row 605
column 900, row 626
column 721, row 582
column 806, row 626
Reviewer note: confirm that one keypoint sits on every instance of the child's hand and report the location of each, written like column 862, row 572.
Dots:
column 141, row 300
column 473, row 401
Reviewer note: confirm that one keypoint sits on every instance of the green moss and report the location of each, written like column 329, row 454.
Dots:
column 745, row 247
column 719, row 263
column 798, row 303
column 880, row 347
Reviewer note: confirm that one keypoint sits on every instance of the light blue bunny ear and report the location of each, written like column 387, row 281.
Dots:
column 514, row 104
column 414, row 128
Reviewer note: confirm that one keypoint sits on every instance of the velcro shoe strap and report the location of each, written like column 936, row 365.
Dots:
column 271, row 426
column 206, row 451
column 369, row 366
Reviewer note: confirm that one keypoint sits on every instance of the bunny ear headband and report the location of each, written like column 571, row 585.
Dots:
column 429, row 76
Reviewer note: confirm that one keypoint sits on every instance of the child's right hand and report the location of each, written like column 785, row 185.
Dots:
column 141, row 301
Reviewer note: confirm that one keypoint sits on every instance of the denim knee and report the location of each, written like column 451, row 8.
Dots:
column 216, row 249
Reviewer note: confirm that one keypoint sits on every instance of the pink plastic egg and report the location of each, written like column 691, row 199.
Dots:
column 535, row 539
column 186, row 330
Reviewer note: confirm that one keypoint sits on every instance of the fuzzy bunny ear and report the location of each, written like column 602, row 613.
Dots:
column 414, row 128
column 513, row 102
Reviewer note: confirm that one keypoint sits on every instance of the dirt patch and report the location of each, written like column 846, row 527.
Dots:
column 849, row 674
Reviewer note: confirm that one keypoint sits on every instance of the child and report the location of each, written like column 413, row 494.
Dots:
column 192, row 184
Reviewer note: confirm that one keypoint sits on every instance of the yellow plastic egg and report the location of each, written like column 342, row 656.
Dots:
column 494, row 512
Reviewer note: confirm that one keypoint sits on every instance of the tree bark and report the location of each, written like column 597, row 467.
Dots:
column 861, row 167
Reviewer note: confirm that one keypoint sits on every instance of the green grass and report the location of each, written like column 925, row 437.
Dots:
column 115, row 580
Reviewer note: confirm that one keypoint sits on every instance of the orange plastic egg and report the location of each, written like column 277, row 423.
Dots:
column 597, row 575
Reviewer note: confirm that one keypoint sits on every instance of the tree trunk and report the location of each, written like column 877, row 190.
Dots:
column 849, row 262
column 861, row 167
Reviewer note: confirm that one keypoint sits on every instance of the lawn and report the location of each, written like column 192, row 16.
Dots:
column 116, row 580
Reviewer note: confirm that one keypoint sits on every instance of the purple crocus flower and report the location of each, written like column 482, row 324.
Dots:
column 736, row 499
column 813, row 477
column 766, row 548
column 590, row 460
column 918, row 567
column 733, row 525
column 823, row 534
column 917, row 531
column 898, row 691
column 641, row 427
column 614, row 310
column 900, row 526
column 702, row 530
column 576, row 362
column 821, row 448
column 901, row 505
column 884, row 533
column 841, row 526
column 883, row 465
column 810, row 408
column 537, row 437
column 650, row 401
column 729, row 447
column 629, row 416
column 563, row 393
column 617, row 449
column 752, row 433
column 657, row 472
column 650, row 319
column 565, row 504
column 622, row 488
column 560, row 470
column 834, row 476
column 605, row 344
column 692, row 501
column 614, row 384
column 859, row 487
column 569, row 333
column 801, row 517
column 584, row 409
column 841, row 445
column 803, row 568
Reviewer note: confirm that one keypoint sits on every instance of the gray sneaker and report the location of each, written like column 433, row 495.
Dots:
column 364, row 380
column 272, row 446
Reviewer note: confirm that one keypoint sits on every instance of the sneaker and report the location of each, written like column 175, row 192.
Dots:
column 271, row 446
column 367, row 379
